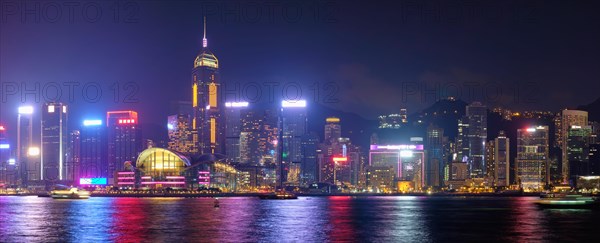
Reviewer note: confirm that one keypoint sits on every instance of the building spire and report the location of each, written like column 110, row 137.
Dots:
column 204, row 41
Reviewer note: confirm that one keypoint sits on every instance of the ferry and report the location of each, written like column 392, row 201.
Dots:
column 70, row 193
column 567, row 201
column 280, row 195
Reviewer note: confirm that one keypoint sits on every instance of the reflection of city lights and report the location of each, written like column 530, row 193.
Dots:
column 33, row 151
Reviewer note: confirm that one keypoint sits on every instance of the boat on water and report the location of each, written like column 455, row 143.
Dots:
column 567, row 201
column 281, row 195
column 70, row 193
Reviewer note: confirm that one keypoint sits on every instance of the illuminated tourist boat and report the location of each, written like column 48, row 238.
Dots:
column 557, row 200
column 281, row 195
column 70, row 193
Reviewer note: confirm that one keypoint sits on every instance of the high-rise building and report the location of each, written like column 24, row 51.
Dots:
column 6, row 164
column 476, row 114
column 293, row 127
column 208, row 118
column 309, row 165
column 333, row 130
column 532, row 157
column 462, row 141
column 490, row 162
column 54, row 142
column 578, row 151
column 259, row 138
column 29, row 169
column 74, row 153
column 435, row 156
column 93, row 150
column 181, row 135
column 568, row 119
column 124, row 139
column 502, row 160
column 233, row 128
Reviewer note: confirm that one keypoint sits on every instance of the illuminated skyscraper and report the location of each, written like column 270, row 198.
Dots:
column 476, row 115
column 93, row 150
column 208, row 118
column 568, row 119
column 74, row 153
column 181, row 135
column 54, row 142
column 124, row 139
column 310, row 166
column 502, row 160
column 293, row 125
column 29, row 169
column 435, row 163
column 5, row 163
column 578, row 151
column 333, row 130
column 532, row 158
column 233, row 128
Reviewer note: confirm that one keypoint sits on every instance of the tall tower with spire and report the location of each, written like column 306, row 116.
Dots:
column 208, row 121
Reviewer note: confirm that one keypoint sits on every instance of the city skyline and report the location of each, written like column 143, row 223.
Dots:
column 310, row 121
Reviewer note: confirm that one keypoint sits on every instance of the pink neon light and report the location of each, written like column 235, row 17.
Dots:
column 145, row 177
column 125, row 183
column 163, row 182
column 175, row 177
column 204, row 183
column 203, row 172
column 126, row 178
column 125, row 173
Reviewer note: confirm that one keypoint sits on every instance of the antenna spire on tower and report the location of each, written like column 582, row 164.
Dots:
column 204, row 41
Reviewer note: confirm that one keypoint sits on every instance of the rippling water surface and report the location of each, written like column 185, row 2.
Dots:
column 308, row 219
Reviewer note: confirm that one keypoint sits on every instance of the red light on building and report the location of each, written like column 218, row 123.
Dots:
column 340, row 159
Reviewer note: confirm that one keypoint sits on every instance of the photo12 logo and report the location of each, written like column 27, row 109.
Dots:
column 73, row 92
column 35, row 12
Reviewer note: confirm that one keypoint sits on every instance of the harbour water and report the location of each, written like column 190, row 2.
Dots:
column 308, row 219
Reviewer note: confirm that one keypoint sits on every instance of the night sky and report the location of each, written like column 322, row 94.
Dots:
column 366, row 57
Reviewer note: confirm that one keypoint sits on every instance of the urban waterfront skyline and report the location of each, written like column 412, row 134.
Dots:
column 193, row 104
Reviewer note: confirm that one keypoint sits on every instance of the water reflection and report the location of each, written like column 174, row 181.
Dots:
column 308, row 219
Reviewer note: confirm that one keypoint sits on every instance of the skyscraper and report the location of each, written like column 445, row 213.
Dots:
column 578, row 151
column 93, row 150
column 501, row 160
column 333, row 130
column 568, row 119
column 532, row 157
column 233, row 128
column 476, row 115
column 5, row 164
column 74, row 153
column 124, row 139
column 310, row 166
column 293, row 125
column 54, row 142
column 435, row 156
column 208, row 118
column 29, row 169
column 462, row 140
column 181, row 134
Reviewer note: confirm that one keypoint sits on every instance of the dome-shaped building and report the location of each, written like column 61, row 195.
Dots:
column 162, row 168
